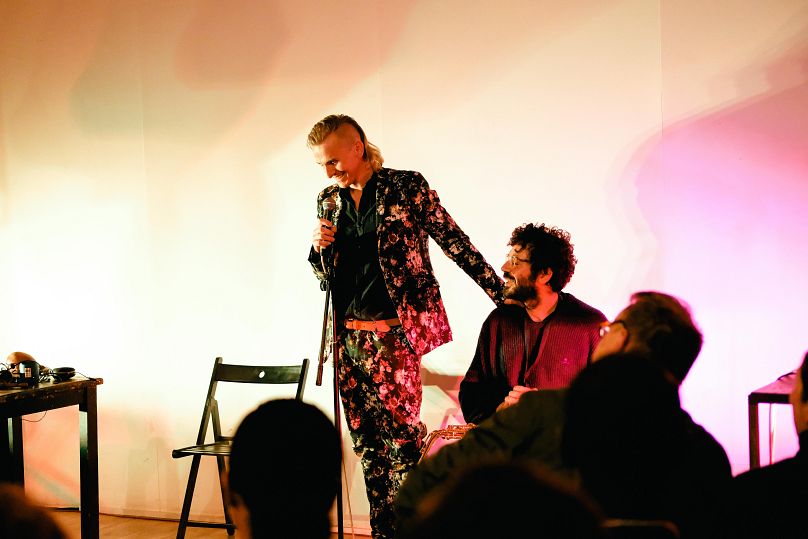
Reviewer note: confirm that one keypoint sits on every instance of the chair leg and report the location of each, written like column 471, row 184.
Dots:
column 231, row 529
column 189, row 496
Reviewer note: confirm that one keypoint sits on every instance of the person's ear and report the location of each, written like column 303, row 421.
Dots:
column 240, row 514
column 799, row 407
column 225, row 476
column 800, row 411
column 623, row 334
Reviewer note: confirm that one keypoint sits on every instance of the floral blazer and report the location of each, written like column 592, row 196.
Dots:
column 409, row 213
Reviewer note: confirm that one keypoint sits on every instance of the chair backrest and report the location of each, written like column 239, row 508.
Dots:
column 247, row 374
column 640, row 529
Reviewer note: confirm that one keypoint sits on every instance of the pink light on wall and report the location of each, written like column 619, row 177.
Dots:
column 725, row 195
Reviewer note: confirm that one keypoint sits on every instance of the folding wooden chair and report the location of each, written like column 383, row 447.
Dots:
column 220, row 447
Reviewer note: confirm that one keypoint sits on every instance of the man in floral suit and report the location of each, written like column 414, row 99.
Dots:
column 387, row 301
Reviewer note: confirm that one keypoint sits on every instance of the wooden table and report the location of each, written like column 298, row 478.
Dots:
column 775, row 393
column 81, row 391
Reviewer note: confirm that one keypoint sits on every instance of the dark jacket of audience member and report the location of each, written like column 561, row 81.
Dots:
column 505, row 499
column 529, row 430
column 638, row 453
column 770, row 501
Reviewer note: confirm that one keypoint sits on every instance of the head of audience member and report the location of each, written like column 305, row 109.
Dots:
column 284, row 471
column 340, row 146
column 799, row 397
column 505, row 499
column 541, row 258
column 20, row 518
column 658, row 326
column 625, row 434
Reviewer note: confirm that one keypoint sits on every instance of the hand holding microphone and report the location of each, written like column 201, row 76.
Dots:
column 324, row 235
column 324, row 231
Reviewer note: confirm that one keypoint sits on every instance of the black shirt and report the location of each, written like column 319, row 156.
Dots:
column 359, row 289
column 534, row 331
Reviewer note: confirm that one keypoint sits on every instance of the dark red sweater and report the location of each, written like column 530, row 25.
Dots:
column 568, row 337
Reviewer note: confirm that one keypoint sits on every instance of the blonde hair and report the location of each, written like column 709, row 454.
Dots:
column 331, row 124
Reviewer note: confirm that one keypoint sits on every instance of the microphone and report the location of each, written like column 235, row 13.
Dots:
column 329, row 207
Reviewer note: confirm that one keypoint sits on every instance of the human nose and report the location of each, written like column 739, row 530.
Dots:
column 505, row 266
column 329, row 170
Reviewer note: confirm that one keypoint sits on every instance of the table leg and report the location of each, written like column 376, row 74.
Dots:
column 754, row 437
column 88, row 464
column 5, row 453
column 13, row 468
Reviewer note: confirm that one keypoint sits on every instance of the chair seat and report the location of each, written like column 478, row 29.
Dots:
column 616, row 528
column 220, row 448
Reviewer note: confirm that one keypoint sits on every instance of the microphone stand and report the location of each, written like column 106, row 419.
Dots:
column 329, row 311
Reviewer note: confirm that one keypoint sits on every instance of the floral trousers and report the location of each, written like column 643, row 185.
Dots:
column 380, row 387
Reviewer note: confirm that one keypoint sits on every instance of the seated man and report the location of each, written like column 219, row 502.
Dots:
column 542, row 343
column 655, row 325
column 284, row 471
column 769, row 501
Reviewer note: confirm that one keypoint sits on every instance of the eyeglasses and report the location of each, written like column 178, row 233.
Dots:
column 514, row 260
column 606, row 327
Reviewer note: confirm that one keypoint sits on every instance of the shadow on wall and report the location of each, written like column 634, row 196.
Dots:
column 135, row 466
column 52, row 477
column 186, row 74
column 732, row 184
column 725, row 194
column 193, row 72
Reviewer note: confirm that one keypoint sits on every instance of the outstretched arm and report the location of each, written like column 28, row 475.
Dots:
column 454, row 242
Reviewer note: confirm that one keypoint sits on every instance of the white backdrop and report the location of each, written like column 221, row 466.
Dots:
column 157, row 197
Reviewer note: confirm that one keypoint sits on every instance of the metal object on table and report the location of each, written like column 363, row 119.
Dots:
column 450, row 432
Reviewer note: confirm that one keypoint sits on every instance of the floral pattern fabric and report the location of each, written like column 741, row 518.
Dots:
column 379, row 373
column 409, row 214
column 380, row 387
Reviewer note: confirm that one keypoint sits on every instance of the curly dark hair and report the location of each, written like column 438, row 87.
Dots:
column 550, row 248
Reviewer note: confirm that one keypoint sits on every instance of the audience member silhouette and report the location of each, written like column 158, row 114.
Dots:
column 769, row 501
column 657, row 326
column 20, row 518
column 638, row 453
column 284, row 471
column 505, row 499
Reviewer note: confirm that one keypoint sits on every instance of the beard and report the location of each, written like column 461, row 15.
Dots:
column 519, row 292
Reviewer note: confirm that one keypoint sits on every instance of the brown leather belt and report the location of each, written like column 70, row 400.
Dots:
column 372, row 325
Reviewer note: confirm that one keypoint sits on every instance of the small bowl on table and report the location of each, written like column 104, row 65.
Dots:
column 63, row 374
